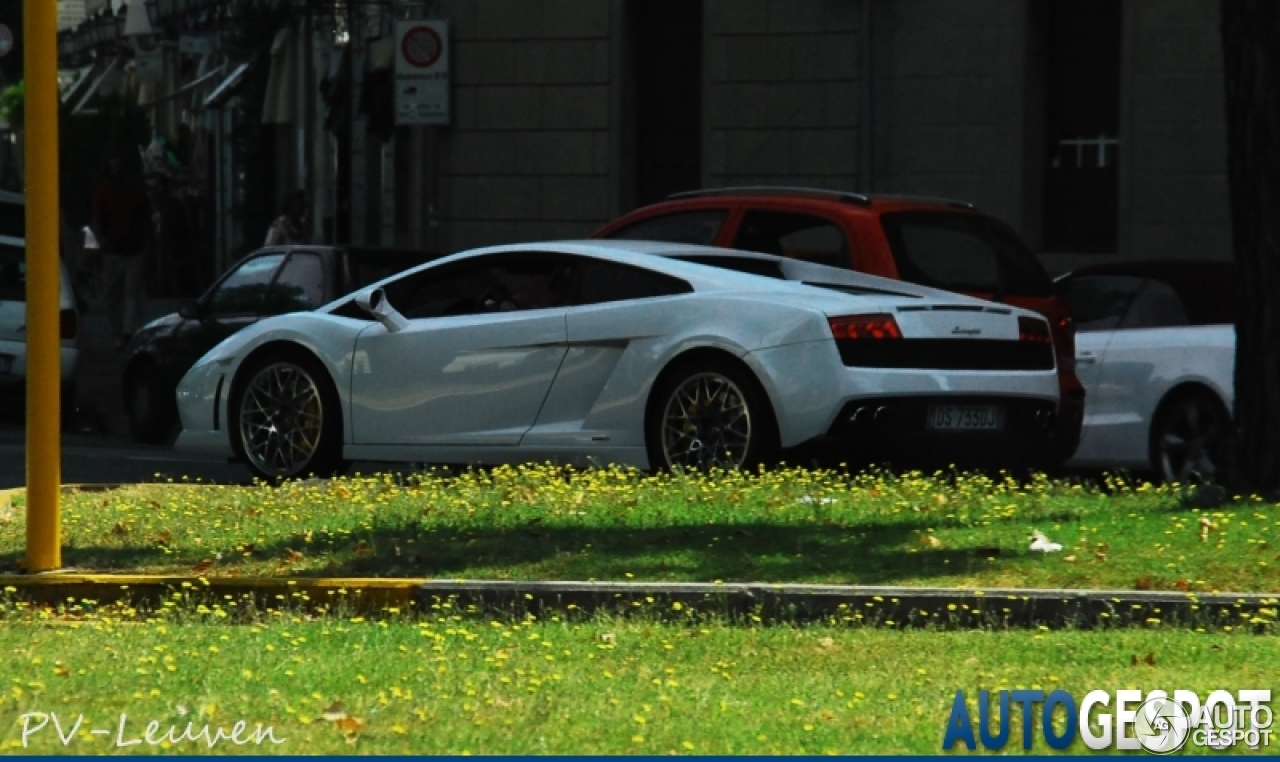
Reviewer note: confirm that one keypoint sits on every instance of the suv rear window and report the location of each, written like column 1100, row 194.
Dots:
column 963, row 252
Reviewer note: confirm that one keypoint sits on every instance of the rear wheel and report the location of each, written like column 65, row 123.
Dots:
column 286, row 420
column 148, row 405
column 709, row 414
column 1189, row 439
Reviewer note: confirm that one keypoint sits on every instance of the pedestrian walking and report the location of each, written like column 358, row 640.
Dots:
column 121, row 221
column 288, row 229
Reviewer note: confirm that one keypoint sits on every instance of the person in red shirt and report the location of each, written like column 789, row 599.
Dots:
column 121, row 221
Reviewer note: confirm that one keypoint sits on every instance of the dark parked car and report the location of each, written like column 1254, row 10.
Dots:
column 267, row 282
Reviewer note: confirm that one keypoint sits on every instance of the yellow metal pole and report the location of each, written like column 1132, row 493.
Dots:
column 44, row 521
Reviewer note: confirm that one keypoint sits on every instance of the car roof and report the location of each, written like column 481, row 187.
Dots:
column 1163, row 269
column 1207, row 288
column 876, row 201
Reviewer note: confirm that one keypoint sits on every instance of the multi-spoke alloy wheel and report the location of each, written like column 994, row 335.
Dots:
column 1190, row 440
column 706, row 423
column 281, row 420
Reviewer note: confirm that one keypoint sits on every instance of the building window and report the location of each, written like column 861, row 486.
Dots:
column 1082, row 177
column 667, row 45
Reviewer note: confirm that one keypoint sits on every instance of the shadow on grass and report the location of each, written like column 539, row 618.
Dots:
column 863, row 554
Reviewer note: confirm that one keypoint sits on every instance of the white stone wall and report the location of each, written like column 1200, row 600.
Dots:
column 528, row 154
column 949, row 110
column 781, row 95
column 1174, row 199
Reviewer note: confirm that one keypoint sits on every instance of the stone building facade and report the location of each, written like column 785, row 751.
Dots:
column 569, row 112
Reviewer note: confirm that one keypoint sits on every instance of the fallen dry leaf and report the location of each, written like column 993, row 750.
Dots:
column 1206, row 526
column 1142, row 583
column 1100, row 556
column 930, row 541
column 119, row 530
column 164, row 537
column 607, row 637
column 826, row 642
column 60, row 670
column 293, row 556
column 363, row 548
column 348, row 725
column 203, row 566
column 1182, row 585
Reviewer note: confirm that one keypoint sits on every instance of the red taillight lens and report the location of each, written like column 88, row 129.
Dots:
column 1034, row 329
column 881, row 326
column 68, row 325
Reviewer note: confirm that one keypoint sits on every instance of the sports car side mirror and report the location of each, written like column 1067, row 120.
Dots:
column 374, row 301
column 190, row 311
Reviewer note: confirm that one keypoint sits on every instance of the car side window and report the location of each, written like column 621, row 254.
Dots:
column 13, row 220
column 795, row 235
column 1099, row 302
column 695, row 227
column 243, row 291
column 604, row 281
column 491, row 283
column 299, row 287
column 1156, row 305
column 13, row 273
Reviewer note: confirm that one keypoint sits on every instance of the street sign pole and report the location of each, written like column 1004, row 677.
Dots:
column 44, row 521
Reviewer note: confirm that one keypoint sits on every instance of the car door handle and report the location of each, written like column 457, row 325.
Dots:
column 1086, row 358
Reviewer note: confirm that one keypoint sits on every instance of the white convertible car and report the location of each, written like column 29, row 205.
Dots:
column 602, row 352
column 1155, row 350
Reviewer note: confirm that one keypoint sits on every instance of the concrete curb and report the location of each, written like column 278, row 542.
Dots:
column 885, row 606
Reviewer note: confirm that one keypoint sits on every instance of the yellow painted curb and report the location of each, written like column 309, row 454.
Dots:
column 60, row 587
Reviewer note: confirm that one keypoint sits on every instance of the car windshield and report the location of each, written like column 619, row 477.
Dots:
column 963, row 252
column 13, row 273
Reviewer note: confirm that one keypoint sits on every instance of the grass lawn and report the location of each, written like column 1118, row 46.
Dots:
column 456, row 684
column 540, row 522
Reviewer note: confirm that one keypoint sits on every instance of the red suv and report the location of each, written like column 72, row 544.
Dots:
column 933, row 242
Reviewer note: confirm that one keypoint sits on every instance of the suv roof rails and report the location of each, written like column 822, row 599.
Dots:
column 845, row 196
column 951, row 202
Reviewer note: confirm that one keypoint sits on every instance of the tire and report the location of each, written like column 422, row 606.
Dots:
column 1190, row 439
column 149, row 405
column 709, row 413
column 285, row 419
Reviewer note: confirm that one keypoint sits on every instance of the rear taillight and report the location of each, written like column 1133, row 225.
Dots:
column 881, row 326
column 68, row 325
column 1034, row 330
column 1067, row 337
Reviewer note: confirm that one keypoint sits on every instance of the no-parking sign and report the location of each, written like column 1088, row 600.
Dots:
column 422, row 72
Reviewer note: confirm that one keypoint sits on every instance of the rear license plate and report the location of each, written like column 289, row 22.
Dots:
column 6, row 364
column 966, row 417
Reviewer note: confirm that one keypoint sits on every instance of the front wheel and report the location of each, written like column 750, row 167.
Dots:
column 708, row 415
column 286, row 418
column 1189, row 440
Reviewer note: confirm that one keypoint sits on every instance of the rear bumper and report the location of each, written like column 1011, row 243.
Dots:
column 895, row 431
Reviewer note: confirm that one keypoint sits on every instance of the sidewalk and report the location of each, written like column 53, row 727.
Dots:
column 99, row 396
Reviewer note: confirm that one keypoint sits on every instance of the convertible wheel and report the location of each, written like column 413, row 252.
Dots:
column 149, row 407
column 287, row 419
column 710, row 415
column 1189, row 440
